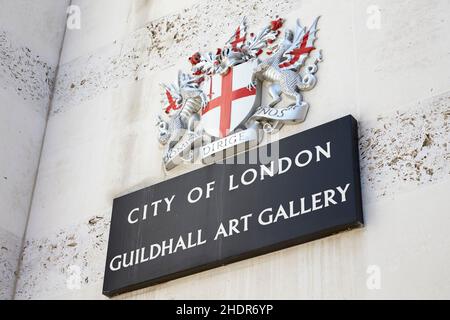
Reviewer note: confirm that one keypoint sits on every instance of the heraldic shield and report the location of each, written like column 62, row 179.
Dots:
column 231, row 102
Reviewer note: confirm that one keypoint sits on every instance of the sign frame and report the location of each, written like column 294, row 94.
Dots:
column 345, row 135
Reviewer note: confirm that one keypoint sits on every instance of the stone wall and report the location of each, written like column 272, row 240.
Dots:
column 101, row 143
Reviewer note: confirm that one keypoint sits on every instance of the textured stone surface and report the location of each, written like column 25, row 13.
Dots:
column 31, row 34
column 101, row 143
column 50, row 259
column 9, row 258
column 157, row 45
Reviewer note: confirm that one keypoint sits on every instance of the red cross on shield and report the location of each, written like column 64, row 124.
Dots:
column 230, row 102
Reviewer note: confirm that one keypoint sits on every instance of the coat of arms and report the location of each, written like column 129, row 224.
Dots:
column 217, row 105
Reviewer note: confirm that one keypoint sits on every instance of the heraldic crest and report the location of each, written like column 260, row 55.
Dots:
column 218, row 104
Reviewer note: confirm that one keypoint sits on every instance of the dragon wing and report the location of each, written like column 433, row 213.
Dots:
column 237, row 40
column 302, row 45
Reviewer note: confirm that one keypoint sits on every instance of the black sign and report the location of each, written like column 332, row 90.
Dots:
column 301, row 188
